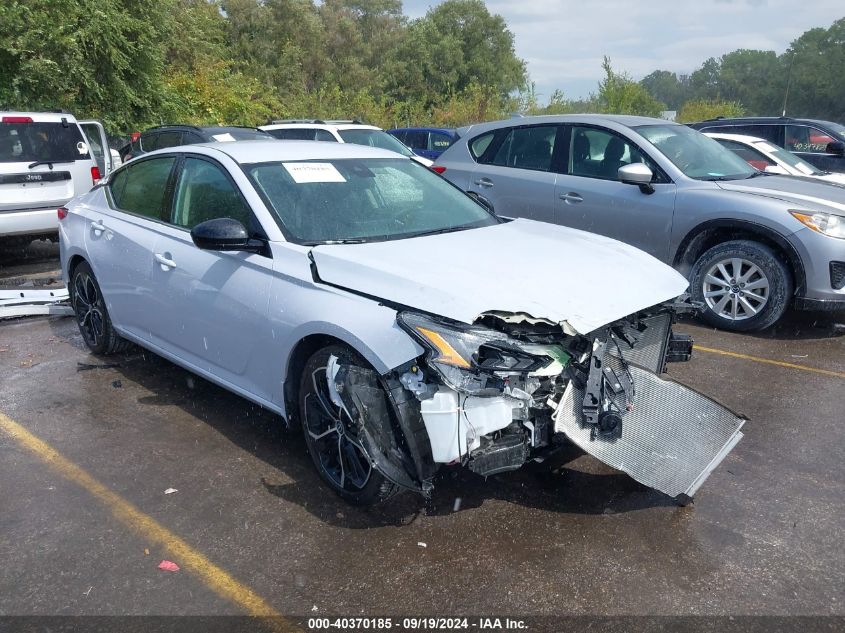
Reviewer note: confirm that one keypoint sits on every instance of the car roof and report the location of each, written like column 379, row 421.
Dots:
column 41, row 117
column 322, row 126
column 447, row 130
column 261, row 151
column 762, row 119
column 626, row 120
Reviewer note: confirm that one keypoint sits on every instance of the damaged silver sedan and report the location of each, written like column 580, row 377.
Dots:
column 397, row 320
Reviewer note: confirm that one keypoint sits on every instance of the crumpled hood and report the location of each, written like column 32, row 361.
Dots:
column 580, row 280
column 801, row 193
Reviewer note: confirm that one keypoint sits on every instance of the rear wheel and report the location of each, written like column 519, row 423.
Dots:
column 331, row 435
column 743, row 285
column 92, row 317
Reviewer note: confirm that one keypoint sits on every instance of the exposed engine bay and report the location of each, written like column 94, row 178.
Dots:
column 511, row 388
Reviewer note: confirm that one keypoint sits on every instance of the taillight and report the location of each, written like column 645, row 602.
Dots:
column 95, row 174
column 439, row 169
column 134, row 136
column 62, row 212
column 17, row 119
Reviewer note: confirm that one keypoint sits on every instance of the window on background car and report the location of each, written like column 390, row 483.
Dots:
column 325, row 135
column 148, row 141
column 416, row 139
column 140, row 188
column 527, row 148
column 599, row 153
column 204, row 192
column 803, row 138
column 27, row 141
column 374, row 138
column 769, row 133
column 753, row 157
column 169, row 139
column 293, row 134
column 362, row 199
column 191, row 138
column 439, row 141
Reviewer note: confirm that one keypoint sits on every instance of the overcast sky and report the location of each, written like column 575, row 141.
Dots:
column 563, row 41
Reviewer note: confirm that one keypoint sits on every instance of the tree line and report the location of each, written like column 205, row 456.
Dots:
column 136, row 63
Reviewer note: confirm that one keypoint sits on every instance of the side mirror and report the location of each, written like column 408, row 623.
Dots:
column 636, row 174
column 222, row 234
column 484, row 202
column 835, row 147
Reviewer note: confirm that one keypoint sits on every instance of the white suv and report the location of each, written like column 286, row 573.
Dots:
column 340, row 132
column 46, row 158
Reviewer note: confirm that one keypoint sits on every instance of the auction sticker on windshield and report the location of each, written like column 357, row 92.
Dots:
column 314, row 172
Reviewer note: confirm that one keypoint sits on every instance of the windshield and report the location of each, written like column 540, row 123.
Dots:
column 696, row 155
column 374, row 138
column 29, row 142
column 362, row 200
column 790, row 159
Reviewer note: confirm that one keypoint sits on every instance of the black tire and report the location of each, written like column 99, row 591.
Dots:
column 92, row 317
column 363, row 485
column 744, row 285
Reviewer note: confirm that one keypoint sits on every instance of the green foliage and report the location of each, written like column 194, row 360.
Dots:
column 702, row 109
column 619, row 94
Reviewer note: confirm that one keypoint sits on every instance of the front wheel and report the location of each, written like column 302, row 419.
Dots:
column 743, row 285
column 331, row 435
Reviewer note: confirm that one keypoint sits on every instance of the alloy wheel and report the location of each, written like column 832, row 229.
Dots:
column 736, row 289
column 342, row 458
column 88, row 306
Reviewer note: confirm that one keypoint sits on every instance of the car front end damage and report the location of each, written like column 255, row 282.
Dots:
column 511, row 388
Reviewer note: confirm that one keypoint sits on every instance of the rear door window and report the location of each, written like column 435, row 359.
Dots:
column 169, row 139
column 294, row 134
column 527, row 148
column 27, row 141
column 141, row 187
column 325, row 135
column 416, row 139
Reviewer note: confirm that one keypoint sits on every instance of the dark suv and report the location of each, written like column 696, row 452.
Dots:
column 172, row 135
column 821, row 143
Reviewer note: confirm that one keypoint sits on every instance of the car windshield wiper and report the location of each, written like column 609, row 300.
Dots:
column 451, row 229
column 756, row 174
column 47, row 162
column 330, row 242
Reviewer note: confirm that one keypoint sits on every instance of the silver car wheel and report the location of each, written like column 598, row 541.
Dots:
column 735, row 289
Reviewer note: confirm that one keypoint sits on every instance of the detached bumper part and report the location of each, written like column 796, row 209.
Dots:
column 673, row 436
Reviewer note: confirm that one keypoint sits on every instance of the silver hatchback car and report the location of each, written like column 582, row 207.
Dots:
column 750, row 243
column 404, row 326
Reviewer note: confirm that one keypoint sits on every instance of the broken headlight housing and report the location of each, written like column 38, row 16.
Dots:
column 468, row 358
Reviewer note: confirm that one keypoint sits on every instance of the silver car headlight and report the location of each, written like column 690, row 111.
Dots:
column 825, row 223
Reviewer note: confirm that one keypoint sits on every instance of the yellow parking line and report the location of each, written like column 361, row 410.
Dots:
column 186, row 556
column 779, row 363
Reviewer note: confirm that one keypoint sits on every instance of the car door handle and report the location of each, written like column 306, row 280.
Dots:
column 571, row 197
column 98, row 227
column 484, row 182
column 166, row 263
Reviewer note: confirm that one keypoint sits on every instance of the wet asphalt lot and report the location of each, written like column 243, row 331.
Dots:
column 764, row 536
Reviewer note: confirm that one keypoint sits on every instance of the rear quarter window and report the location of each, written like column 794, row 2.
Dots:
column 31, row 141
column 479, row 145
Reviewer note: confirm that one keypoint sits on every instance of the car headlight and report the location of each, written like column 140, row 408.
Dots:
column 825, row 223
column 448, row 344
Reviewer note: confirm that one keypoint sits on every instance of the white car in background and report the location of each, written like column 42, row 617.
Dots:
column 772, row 159
column 46, row 158
column 340, row 132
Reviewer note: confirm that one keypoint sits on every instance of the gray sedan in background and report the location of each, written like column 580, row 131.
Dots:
column 750, row 243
